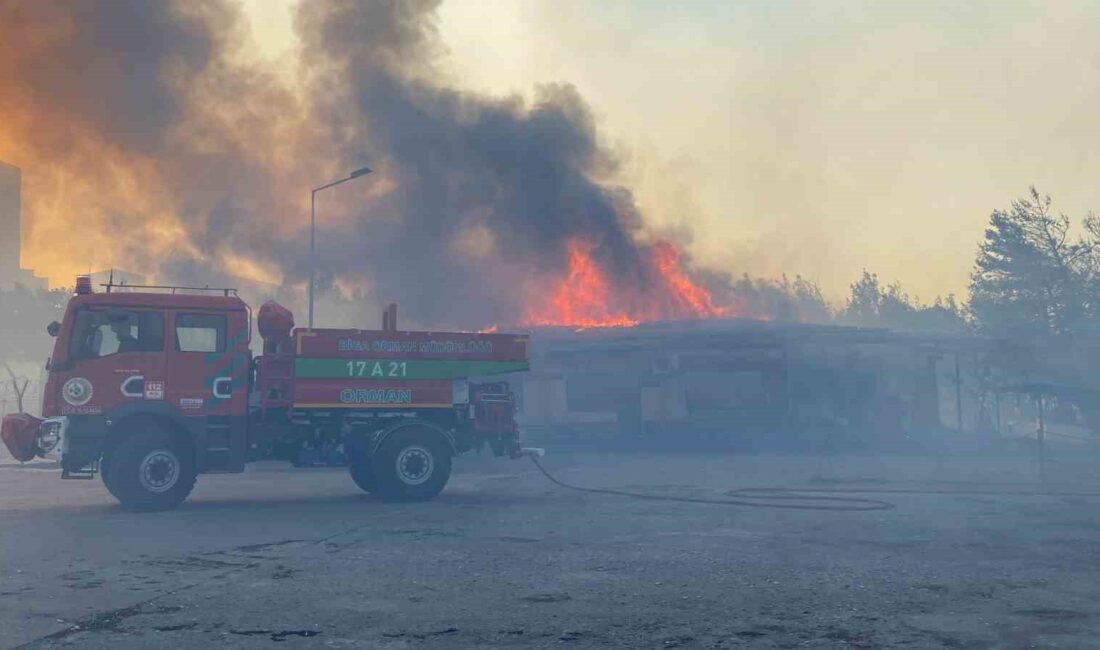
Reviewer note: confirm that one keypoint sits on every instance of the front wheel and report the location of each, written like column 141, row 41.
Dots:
column 150, row 471
column 105, row 474
column 362, row 472
column 412, row 464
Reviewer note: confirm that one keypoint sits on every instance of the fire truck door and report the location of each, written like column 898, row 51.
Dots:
column 208, row 361
column 115, row 356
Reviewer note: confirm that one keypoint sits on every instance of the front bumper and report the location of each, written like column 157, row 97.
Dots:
column 76, row 442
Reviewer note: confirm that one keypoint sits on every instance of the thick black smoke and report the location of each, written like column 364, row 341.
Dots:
column 159, row 106
column 519, row 179
column 105, row 65
column 124, row 111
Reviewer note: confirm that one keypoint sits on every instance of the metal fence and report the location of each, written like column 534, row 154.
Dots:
column 9, row 399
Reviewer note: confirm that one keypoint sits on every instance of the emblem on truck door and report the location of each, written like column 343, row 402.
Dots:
column 77, row 391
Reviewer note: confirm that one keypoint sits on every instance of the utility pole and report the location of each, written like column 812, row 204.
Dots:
column 313, row 232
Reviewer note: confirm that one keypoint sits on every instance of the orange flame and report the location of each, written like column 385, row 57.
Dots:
column 582, row 298
column 585, row 298
column 692, row 300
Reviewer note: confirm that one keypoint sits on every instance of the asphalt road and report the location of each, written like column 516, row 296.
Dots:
column 505, row 559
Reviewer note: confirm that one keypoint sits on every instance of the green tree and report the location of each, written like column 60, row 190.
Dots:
column 783, row 300
column 873, row 305
column 1033, row 279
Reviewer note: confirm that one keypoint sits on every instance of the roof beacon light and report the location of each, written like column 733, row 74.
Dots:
column 83, row 285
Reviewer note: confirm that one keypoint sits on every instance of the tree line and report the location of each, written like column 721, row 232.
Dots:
column 1036, row 279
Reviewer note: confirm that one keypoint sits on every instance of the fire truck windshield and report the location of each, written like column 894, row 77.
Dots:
column 100, row 332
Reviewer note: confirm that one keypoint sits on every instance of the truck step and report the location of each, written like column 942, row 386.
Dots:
column 83, row 474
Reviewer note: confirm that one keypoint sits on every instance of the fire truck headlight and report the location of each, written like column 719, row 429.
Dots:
column 51, row 435
column 48, row 437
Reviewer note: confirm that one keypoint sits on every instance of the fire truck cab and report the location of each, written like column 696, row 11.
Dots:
column 159, row 380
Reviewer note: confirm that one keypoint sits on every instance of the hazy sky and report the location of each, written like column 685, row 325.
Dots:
column 813, row 138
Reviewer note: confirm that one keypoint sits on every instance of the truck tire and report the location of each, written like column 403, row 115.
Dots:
column 362, row 472
column 412, row 464
column 105, row 474
column 104, row 470
column 149, row 471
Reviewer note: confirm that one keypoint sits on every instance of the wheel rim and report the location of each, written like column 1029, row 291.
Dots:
column 159, row 471
column 415, row 465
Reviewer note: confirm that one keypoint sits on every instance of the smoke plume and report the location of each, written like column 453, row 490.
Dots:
column 152, row 140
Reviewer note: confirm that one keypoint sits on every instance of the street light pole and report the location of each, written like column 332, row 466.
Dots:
column 313, row 231
column 312, row 250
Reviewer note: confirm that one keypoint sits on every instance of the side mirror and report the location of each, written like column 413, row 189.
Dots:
column 53, row 329
column 62, row 366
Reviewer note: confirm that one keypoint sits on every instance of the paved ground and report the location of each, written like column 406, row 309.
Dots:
column 504, row 559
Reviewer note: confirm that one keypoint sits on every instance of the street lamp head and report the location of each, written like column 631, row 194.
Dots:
column 362, row 171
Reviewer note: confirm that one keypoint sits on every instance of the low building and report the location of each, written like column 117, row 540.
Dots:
column 26, row 279
column 754, row 384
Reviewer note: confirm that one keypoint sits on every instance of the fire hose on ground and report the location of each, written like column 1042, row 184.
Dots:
column 809, row 498
column 749, row 499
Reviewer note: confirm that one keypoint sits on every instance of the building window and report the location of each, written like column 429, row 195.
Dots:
column 200, row 333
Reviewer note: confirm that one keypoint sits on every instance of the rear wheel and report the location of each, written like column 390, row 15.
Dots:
column 412, row 464
column 150, row 471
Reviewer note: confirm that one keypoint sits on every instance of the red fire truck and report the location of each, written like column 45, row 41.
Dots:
column 151, row 386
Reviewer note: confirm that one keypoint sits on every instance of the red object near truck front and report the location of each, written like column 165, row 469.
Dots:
column 152, row 387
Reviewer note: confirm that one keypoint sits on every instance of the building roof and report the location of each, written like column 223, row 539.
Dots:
column 746, row 332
